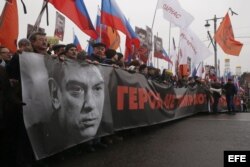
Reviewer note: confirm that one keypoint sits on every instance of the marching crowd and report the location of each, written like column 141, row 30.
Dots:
column 17, row 150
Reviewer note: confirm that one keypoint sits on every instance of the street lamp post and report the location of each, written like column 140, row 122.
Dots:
column 214, row 43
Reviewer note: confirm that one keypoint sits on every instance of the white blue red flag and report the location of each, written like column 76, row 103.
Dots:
column 77, row 43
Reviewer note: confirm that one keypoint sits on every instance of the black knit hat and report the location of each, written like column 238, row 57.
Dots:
column 58, row 46
column 71, row 45
column 98, row 45
column 110, row 53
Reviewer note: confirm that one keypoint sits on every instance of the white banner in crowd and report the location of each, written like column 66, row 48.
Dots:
column 192, row 46
column 173, row 12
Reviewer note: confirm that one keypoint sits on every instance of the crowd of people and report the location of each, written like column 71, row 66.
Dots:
column 18, row 151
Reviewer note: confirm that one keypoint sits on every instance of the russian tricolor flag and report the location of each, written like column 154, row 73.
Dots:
column 76, row 11
column 166, row 57
column 77, row 43
column 112, row 16
column 163, row 55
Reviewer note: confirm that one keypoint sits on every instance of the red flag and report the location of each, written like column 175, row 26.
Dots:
column 9, row 25
column 76, row 11
column 224, row 36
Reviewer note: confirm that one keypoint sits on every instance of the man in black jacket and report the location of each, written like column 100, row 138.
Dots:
column 230, row 90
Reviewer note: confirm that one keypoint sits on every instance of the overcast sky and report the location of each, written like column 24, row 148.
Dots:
column 140, row 13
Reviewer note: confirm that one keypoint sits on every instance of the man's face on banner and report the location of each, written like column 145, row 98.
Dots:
column 149, row 38
column 142, row 38
column 158, row 45
column 211, row 71
column 81, row 100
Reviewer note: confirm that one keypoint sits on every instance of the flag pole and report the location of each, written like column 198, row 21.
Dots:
column 178, row 60
column 157, row 57
column 154, row 16
column 99, row 12
column 169, row 36
column 73, row 34
column 39, row 18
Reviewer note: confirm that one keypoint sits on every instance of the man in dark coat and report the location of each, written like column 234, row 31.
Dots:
column 230, row 90
column 16, row 133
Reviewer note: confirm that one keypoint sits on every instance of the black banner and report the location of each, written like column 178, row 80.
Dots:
column 72, row 102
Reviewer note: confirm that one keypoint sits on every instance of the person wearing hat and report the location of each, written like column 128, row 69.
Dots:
column 230, row 90
column 58, row 49
column 143, row 69
column 98, row 54
column 111, row 57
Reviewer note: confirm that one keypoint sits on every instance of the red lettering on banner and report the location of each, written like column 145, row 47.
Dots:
column 171, row 11
column 169, row 102
column 121, row 91
column 137, row 98
column 133, row 105
column 183, row 102
column 151, row 97
column 195, row 101
column 143, row 97
column 189, row 100
column 158, row 101
column 201, row 98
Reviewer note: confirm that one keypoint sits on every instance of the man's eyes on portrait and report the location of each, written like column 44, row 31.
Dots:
column 98, row 88
column 75, row 90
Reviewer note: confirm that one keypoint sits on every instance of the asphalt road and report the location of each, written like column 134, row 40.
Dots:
column 197, row 141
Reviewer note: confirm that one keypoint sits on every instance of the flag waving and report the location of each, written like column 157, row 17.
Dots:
column 102, row 32
column 112, row 16
column 224, row 36
column 107, row 35
column 173, row 12
column 76, row 11
column 77, row 43
column 114, row 38
column 9, row 25
column 191, row 46
column 166, row 57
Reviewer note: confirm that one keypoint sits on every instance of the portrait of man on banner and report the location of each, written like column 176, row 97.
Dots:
column 149, row 38
column 31, row 28
column 60, row 26
column 143, row 51
column 158, row 46
column 73, row 106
